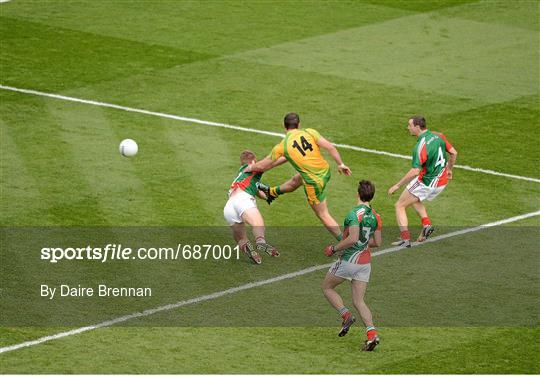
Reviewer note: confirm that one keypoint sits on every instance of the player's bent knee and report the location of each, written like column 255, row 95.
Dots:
column 327, row 284
column 399, row 205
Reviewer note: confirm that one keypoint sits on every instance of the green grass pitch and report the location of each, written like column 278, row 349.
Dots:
column 354, row 70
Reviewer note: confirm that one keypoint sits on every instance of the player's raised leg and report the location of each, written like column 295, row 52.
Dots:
column 358, row 291
column 321, row 211
column 290, row 185
column 329, row 284
column 427, row 228
column 405, row 200
column 253, row 217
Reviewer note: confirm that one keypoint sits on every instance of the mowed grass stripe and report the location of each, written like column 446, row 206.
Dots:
column 16, row 178
column 89, row 126
column 218, row 28
column 91, row 58
column 487, row 350
column 487, row 62
column 362, row 113
column 238, row 128
column 51, row 165
column 522, row 14
column 247, row 286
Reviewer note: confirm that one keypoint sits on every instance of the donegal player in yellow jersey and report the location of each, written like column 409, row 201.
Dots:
column 301, row 148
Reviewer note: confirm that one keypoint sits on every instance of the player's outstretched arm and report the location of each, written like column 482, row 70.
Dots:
column 334, row 153
column 451, row 162
column 413, row 172
column 264, row 165
column 278, row 162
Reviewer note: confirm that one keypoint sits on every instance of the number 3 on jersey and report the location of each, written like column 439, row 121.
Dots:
column 305, row 146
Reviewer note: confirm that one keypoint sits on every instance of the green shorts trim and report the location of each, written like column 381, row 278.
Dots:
column 316, row 191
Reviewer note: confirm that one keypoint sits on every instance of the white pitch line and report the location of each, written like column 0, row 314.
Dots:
column 247, row 286
column 242, row 129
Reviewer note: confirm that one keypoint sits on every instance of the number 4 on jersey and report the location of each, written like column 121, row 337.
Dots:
column 305, row 146
column 441, row 161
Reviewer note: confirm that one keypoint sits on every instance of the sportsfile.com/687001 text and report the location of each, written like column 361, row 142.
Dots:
column 116, row 252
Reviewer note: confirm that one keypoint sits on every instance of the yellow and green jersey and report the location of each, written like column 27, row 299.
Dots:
column 300, row 148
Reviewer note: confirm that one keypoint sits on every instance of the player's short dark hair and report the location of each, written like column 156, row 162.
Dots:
column 419, row 121
column 366, row 190
column 247, row 156
column 291, row 120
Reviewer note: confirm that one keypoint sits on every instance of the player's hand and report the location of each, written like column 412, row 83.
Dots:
column 342, row 169
column 393, row 188
column 329, row 251
column 449, row 174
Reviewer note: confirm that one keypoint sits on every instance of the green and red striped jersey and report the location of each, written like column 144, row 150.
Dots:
column 429, row 155
column 366, row 218
column 246, row 181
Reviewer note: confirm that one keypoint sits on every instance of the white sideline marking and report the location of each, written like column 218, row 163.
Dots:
column 243, row 129
column 247, row 286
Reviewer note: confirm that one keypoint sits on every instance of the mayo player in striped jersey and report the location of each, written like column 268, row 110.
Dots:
column 430, row 172
column 241, row 208
column 362, row 230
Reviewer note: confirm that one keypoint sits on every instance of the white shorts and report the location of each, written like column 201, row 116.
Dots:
column 350, row 271
column 422, row 191
column 238, row 203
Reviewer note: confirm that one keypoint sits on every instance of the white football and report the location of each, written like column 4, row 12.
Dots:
column 128, row 148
